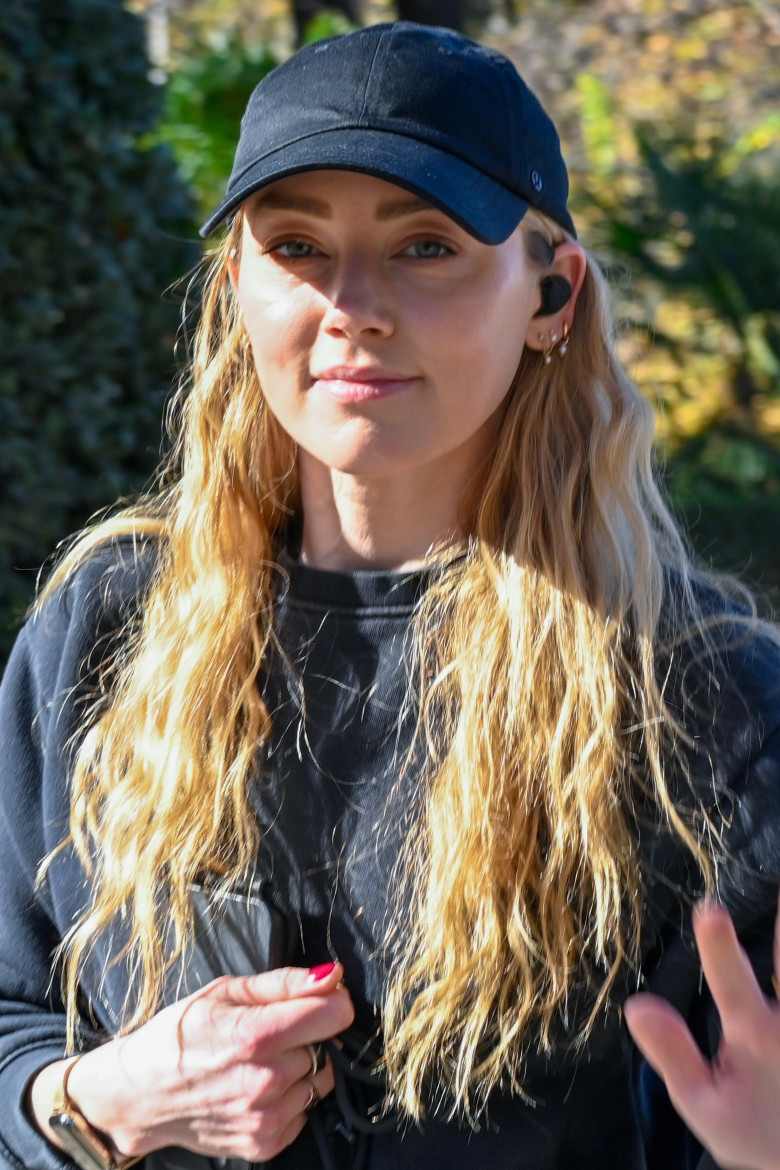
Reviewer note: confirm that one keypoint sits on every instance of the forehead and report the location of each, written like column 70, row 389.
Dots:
column 360, row 200
column 324, row 192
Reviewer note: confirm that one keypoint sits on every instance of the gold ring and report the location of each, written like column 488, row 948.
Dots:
column 318, row 1058
column 314, row 1098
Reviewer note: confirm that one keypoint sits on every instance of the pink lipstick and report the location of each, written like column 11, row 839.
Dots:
column 361, row 383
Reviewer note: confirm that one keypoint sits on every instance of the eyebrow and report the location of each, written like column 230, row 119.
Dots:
column 399, row 207
column 278, row 201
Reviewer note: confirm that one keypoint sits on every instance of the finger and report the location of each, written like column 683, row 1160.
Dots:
column 300, row 1098
column 301, row 1060
column 268, row 1147
column 663, row 1038
column 259, row 1033
column 285, row 1070
column 730, row 977
column 323, row 1082
column 283, row 983
column 279, row 1119
column 291, row 1133
column 298, row 1023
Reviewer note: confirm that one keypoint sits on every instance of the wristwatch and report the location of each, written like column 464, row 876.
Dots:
column 89, row 1149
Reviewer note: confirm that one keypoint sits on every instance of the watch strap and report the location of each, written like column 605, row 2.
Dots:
column 87, row 1146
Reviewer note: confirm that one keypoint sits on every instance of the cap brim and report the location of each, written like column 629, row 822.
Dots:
column 485, row 208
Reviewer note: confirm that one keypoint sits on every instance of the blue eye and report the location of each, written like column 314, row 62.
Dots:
column 428, row 250
column 295, row 250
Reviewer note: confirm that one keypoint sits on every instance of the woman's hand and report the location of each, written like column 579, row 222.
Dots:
column 226, row 1072
column 732, row 1105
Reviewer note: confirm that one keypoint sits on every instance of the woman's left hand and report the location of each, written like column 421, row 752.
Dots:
column 731, row 1104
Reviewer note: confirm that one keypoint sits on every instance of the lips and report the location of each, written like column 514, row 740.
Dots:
column 361, row 383
column 363, row 374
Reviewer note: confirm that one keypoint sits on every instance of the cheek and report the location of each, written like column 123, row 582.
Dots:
column 484, row 346
column 282, row 330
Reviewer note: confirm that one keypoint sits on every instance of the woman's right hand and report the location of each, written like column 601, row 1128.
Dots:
column 225, row 1072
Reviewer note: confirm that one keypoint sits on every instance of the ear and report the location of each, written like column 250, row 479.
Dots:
column 556, row 309
column 233, row 268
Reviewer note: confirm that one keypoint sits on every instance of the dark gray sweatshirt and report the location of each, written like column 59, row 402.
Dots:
column 336, row 802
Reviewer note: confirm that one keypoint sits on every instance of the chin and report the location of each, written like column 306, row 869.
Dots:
column 367, row 460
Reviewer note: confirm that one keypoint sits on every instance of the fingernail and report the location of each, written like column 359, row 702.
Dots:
column 316, row 974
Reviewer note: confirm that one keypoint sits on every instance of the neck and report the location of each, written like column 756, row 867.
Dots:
column 352, row 522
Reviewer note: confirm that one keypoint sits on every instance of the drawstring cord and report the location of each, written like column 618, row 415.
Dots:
column 355, row 1113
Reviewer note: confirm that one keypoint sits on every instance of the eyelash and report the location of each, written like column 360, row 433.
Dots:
column 445, row 250
column 293, row 244
column 311, row 250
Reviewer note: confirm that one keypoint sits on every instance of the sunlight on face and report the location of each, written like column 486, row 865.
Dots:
column 385, row 336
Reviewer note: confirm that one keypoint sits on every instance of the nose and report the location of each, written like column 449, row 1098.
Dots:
column 359, row 301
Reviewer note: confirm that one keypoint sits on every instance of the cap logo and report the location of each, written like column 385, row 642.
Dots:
column 536, row 179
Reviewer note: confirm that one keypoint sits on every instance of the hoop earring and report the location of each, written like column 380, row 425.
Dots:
column 550, row 348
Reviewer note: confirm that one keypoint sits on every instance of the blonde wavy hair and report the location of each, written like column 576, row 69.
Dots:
column 538, row 695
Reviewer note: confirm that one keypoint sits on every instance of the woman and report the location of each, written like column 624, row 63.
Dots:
column 401, row 687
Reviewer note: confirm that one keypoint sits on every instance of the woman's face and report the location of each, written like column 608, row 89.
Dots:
column 385, row 336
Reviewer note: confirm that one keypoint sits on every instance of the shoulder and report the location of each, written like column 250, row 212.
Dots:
column 50, row 687
column 106, row 585
column 718, row 661
column 110, row 577
column 722, row 689
column 74, row 626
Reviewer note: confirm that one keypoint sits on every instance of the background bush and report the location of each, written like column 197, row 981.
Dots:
column 94, row 228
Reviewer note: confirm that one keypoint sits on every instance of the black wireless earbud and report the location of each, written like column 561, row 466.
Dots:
column 555, row 291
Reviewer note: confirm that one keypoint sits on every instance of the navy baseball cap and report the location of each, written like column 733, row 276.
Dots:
column 425, row 108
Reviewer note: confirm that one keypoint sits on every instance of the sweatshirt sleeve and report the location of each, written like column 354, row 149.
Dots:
column 42, row 703
column 742, row 764
column 32, row 1023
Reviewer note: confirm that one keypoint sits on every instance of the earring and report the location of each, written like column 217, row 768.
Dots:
column 549, row 349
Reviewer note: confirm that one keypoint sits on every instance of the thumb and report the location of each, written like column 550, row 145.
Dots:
column 282, row 983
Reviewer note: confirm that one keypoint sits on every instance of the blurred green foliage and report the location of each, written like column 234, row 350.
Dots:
column 724, row 257
column 327, row 23
column 93, row 230
column 208, row 89
column 204, row 100
column 675, row 115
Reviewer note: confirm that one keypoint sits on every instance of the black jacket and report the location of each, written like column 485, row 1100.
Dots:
column 328, row 789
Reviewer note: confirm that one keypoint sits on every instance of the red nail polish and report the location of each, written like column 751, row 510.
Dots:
column 316, row 974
